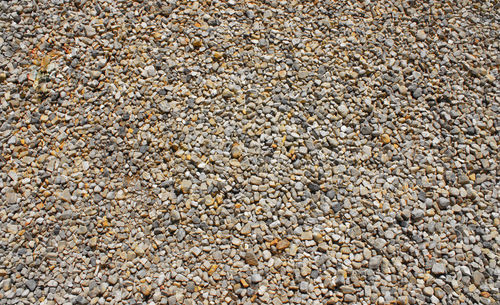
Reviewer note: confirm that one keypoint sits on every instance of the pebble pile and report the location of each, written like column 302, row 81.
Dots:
column 239, row 152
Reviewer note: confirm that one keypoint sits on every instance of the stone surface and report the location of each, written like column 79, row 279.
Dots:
column 249, row 152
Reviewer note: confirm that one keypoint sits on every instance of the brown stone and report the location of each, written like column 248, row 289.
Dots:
column 282, row 244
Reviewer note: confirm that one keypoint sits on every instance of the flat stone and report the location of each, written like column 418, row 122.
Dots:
column 90, row 31
column 31, row 285
column 308, row 235
column 255, row 180
column 375, row 262
column 186, row 186
column 428, row 291
column 477, row 278
column 443, row 203
column 196, row 251
column 438, row 269
column 421, row 35
column 11, row 197
column 282, row 244
column 251, row 259
column 65, row 195
column 256, row 278
column 247, row 228
column 347, row 289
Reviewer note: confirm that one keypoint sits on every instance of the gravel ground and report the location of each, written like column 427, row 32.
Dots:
column 237, row 152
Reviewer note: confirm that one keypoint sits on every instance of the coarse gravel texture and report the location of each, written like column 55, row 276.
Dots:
column 237, row 152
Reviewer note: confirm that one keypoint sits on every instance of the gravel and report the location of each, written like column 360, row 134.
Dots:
column 235, row 152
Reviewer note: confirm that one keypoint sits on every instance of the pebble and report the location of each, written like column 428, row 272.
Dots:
column 438, row 269
column 375, row 262
column 385, row 138
column 186, row 185
column 343, row 110
column 251, row 259
column 428, row 291
column 256, row 278
column 282, row 244
column 31, row 285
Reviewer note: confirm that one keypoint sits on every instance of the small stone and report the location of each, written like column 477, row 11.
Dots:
column 306, row 235
column 302, row 74
column 227, row 93
column 82, row 230
column 417, row 93
column 180, row 234
column 343, row 110
column 313, row 187
column 347, row 289
column 218, row 55
column 93, row 242
column 428, row 291
column 282, row 244
column 350, row 298
column 375, row 262
column 489, row 77
column 149, row 71
column 244, row 283
column 247, row 228
column 421, row 35
column 11, row 197
column 251, row 259
column 31, row 285
column 236, row 151
column 113, row 279
column 385, row 138
column 337, row 207
column 256, row 278
column 443, row 203
column 477, row 278
column 13, row 175
column 90, row 31
column 146, row 289
column 65, row 195
column 197, row 43
column 196, row 251
column 438, row 269
column 236, row 241
column 304, row 286
column 186, row 186
column 323, row 247
column 439, row 293
column 255, row 180
column 417, row 214
column 140, row 249
column 366, row 130
column 299, row 186
column 164, row 107
column 175, row 216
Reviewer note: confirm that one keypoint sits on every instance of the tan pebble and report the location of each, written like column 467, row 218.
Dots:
column 218, row 55
column 385, row 138
column 282, row 244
